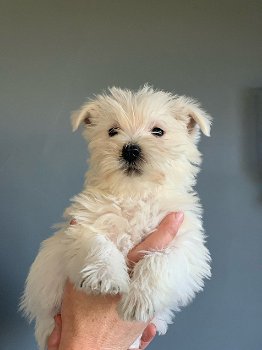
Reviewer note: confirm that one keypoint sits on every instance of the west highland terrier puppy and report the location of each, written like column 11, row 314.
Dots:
column 143, row 165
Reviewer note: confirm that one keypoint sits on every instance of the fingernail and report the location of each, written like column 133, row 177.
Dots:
column 179, row 216
column 148, row 334
column 146, row 337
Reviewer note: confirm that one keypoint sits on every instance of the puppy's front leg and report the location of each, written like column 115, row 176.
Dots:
column 95, row 264
column 149, row 290
column 166, row 280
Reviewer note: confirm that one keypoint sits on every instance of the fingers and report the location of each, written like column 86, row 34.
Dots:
column 55, row 336
column 147, row 336
column 159, row 239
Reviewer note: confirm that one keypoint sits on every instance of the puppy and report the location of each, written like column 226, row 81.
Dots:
column 143, row 162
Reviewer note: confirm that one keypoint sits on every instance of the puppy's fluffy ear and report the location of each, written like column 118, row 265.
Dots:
column 82, row 116
column 194, row 116
column 198, row 116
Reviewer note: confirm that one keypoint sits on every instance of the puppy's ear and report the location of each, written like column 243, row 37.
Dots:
column 198, row 117
column 82, row 116
column 194, row 116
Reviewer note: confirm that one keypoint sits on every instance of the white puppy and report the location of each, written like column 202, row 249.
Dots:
column 143, row 162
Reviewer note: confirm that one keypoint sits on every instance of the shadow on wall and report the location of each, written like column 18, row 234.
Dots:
column 252, row 136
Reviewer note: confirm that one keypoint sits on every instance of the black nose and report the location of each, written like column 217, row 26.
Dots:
column 131, row 152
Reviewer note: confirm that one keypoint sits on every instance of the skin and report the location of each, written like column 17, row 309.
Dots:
column 91, row 321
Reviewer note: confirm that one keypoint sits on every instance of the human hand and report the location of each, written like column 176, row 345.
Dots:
column 91, row 321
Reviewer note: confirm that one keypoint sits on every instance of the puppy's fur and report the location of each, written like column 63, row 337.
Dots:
column 121, row 203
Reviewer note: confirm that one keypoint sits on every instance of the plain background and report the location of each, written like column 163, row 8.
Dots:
column 56, row 54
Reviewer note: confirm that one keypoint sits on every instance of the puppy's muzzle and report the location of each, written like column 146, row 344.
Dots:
column 131, row 153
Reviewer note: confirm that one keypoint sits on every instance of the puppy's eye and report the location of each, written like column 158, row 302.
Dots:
column 112, row 132
column 157, row 132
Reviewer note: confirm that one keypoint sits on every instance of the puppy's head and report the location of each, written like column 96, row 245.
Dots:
column 142, row 139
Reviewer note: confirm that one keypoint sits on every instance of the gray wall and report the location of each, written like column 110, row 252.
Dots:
column 54, row 54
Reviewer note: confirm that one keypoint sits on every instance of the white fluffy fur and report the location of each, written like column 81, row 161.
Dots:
column 115, row 211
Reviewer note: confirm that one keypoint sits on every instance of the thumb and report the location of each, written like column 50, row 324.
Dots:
column 158, row 239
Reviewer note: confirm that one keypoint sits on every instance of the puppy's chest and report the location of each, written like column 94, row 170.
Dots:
column 130, row 222
column 125, row 221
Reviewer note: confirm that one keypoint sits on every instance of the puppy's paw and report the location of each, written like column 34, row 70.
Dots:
column 100, row 280
column 136, row 306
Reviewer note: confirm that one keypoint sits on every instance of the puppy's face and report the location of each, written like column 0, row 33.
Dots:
column 141, row 138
